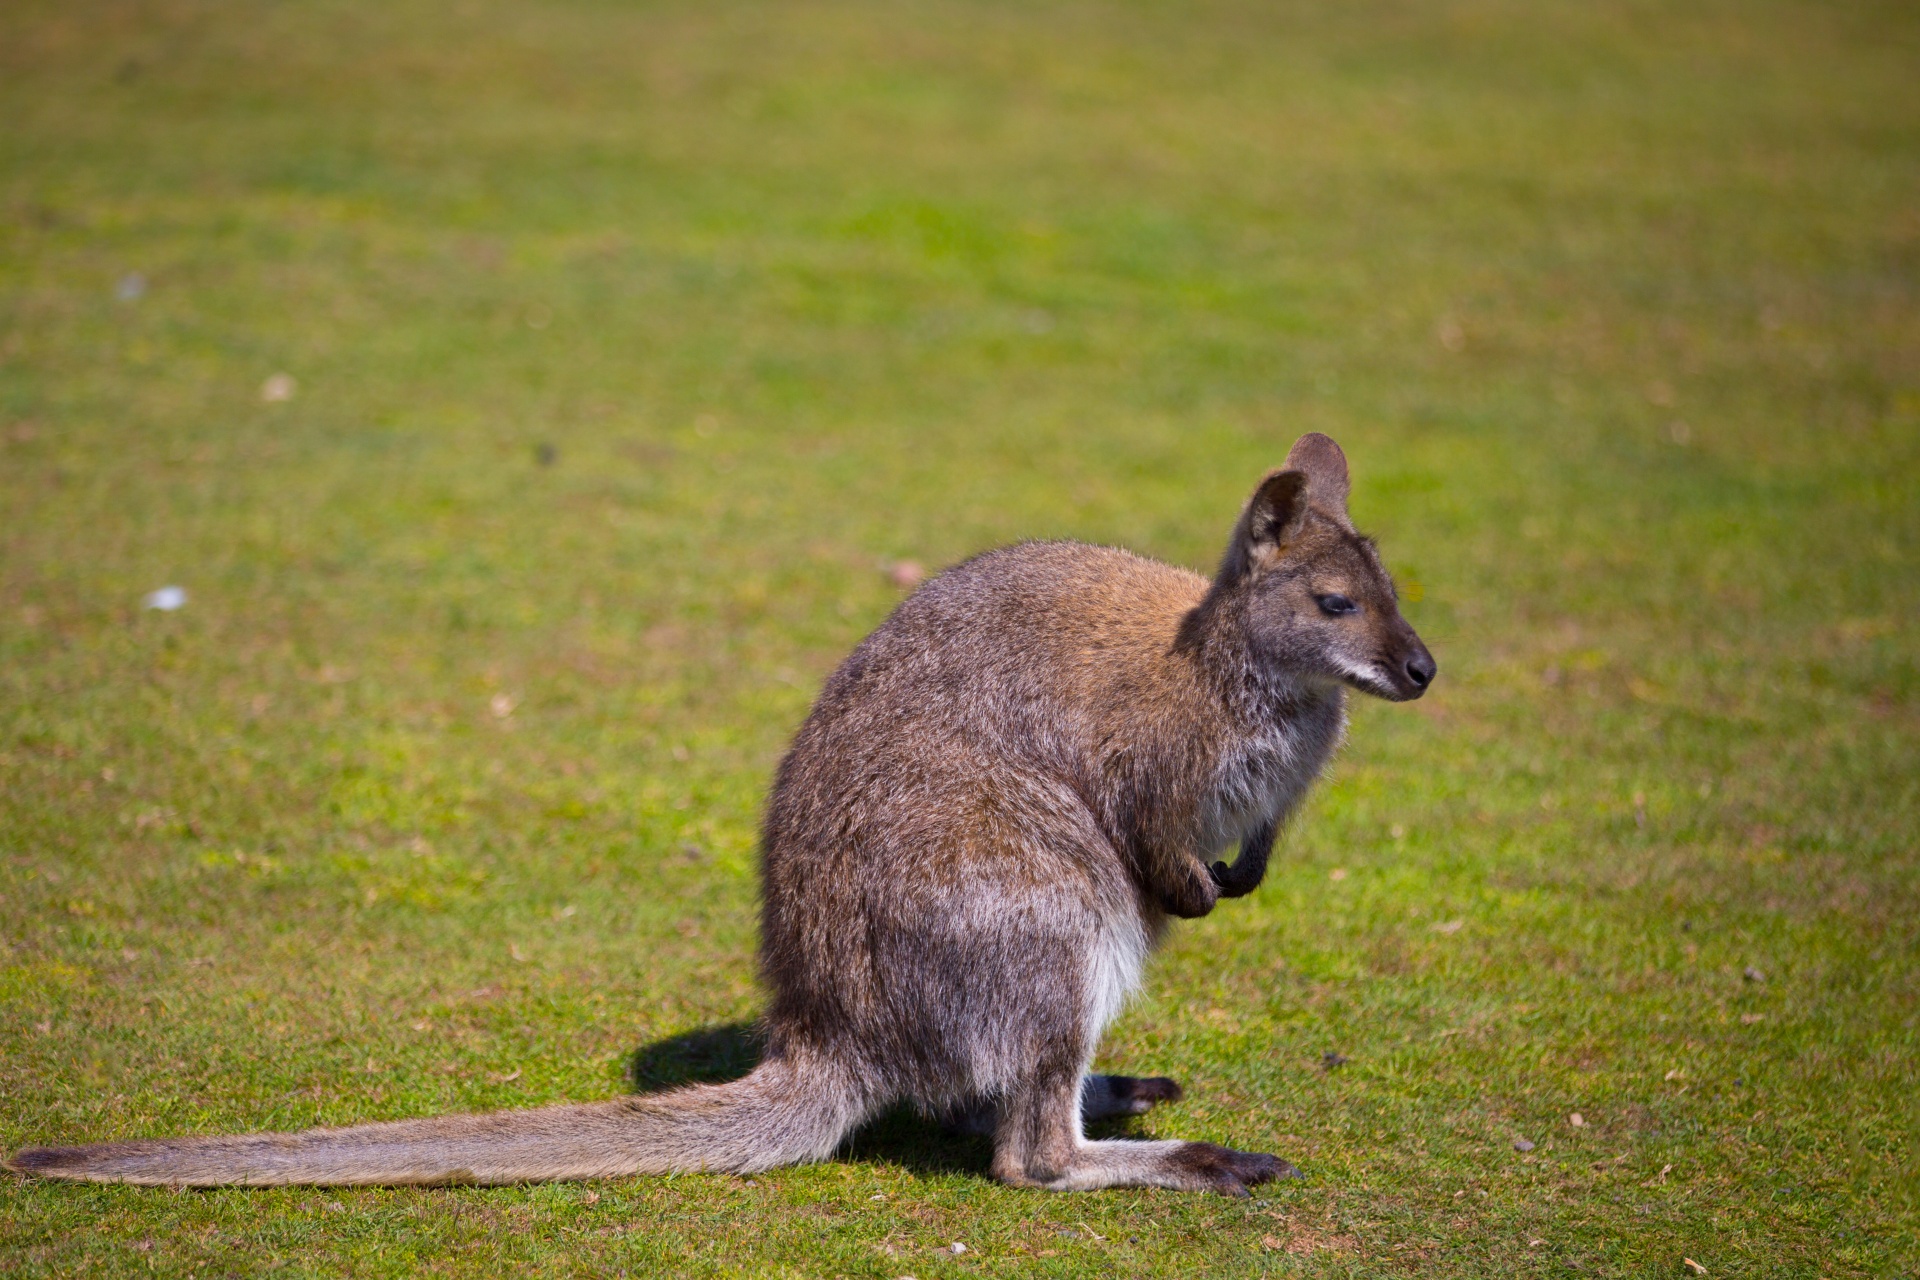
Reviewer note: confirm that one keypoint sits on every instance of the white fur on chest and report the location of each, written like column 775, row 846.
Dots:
column 1264, row 780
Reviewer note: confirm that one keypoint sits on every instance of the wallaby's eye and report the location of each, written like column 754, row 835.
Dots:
column 1335, row 606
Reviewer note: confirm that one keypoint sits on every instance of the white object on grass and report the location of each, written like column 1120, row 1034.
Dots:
column 168, row 598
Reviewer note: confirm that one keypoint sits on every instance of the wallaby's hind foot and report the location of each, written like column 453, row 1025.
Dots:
column 1173, row 1165
column 1227, row 1171
column 1038, row 1143
column 1101, row 1098
column 1105, row 1097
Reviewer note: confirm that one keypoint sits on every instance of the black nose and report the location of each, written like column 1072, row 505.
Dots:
column 1421, row 669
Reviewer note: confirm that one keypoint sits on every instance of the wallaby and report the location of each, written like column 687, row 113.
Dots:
column 972, row 845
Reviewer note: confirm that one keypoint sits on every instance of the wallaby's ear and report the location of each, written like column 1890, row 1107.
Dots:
column 1272, row 519
column 1325, row 467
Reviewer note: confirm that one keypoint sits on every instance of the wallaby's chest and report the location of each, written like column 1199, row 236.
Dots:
column 1266, row 777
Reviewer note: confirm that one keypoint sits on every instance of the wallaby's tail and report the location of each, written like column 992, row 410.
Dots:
column 785, row 1112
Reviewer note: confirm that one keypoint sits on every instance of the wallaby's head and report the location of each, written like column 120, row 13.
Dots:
column 1315, row 598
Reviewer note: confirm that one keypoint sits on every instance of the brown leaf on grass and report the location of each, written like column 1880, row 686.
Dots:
column 1696, row 1267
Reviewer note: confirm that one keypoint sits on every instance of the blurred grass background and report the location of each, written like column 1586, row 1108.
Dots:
column 631, row 344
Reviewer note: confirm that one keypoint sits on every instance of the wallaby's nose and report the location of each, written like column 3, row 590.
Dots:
column 1421, row 669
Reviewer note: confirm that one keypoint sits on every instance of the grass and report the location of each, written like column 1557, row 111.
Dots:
column 631, row 343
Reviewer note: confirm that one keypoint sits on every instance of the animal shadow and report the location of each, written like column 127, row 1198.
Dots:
column 709, row 1055
column 927, row 1146
column 919, row 1143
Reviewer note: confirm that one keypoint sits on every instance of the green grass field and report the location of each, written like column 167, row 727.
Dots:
column 632, row 344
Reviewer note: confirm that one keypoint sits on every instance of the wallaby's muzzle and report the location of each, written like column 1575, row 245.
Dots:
column 1413, row 671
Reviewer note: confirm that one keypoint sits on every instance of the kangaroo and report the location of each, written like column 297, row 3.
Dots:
column 986, row 823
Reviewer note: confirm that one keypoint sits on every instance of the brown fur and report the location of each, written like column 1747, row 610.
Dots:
column 998, row 802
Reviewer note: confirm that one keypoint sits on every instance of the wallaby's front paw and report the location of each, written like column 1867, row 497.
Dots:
column 1192, row 895
column 1230, row 1172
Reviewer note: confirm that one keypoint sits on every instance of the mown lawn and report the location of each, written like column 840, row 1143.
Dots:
column 632, row 345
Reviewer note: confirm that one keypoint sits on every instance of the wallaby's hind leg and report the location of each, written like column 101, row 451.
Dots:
column 1039, row 1144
